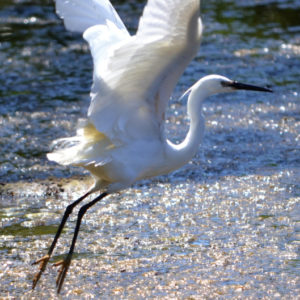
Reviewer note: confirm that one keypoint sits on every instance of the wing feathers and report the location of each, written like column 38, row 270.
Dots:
column 133, row 76
column 88, row 146
column 143, row 71
column 167, row 18
column 79, row 15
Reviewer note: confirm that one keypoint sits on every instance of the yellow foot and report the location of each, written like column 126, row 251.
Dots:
column 62, row 272
column 43, row 263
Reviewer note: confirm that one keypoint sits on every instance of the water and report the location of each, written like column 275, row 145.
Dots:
column 224, row 226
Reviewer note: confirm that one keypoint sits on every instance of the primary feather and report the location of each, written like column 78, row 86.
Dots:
column 79, row 15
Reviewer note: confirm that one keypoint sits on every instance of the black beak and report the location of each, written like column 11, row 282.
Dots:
column 242, row 86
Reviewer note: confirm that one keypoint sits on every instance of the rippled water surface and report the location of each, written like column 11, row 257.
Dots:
column 225, row 226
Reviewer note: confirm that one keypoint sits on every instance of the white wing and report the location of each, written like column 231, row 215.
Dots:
column 133, row 76
column 131, row 89
column 102, row 28
column 98, row 20
column 79, row 15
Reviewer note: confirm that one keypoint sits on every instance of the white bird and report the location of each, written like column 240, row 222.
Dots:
column 123, row 139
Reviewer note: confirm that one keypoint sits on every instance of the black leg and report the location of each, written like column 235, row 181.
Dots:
column 44, row 260
column 66, row 262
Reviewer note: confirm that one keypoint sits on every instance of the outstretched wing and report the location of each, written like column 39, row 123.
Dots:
column 79, row 15
column 131, row 89
column 98, row 20
column 134, row 76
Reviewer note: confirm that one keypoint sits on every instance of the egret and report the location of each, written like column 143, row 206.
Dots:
column 123, row 139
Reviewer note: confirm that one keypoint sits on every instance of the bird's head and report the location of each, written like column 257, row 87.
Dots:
column 215, row 84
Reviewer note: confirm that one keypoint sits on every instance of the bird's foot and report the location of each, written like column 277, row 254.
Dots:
column 62, row 272
column 43, row 263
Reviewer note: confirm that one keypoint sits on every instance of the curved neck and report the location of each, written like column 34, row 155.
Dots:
column 182, row 153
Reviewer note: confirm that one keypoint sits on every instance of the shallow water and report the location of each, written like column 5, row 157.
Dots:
column 224, row 226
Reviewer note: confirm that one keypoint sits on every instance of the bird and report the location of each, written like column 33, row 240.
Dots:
column 123, row 138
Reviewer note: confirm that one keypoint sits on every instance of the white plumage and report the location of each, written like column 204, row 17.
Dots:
column 134, row 76
column 80, row 15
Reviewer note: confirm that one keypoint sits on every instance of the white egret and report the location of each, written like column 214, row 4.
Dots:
column 123, row 139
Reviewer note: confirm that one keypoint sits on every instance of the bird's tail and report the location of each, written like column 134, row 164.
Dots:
column 89, row 146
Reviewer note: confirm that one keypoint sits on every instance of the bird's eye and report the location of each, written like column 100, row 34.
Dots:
column 227, row 83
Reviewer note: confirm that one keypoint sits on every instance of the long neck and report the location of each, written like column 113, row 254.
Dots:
column 182, row 153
